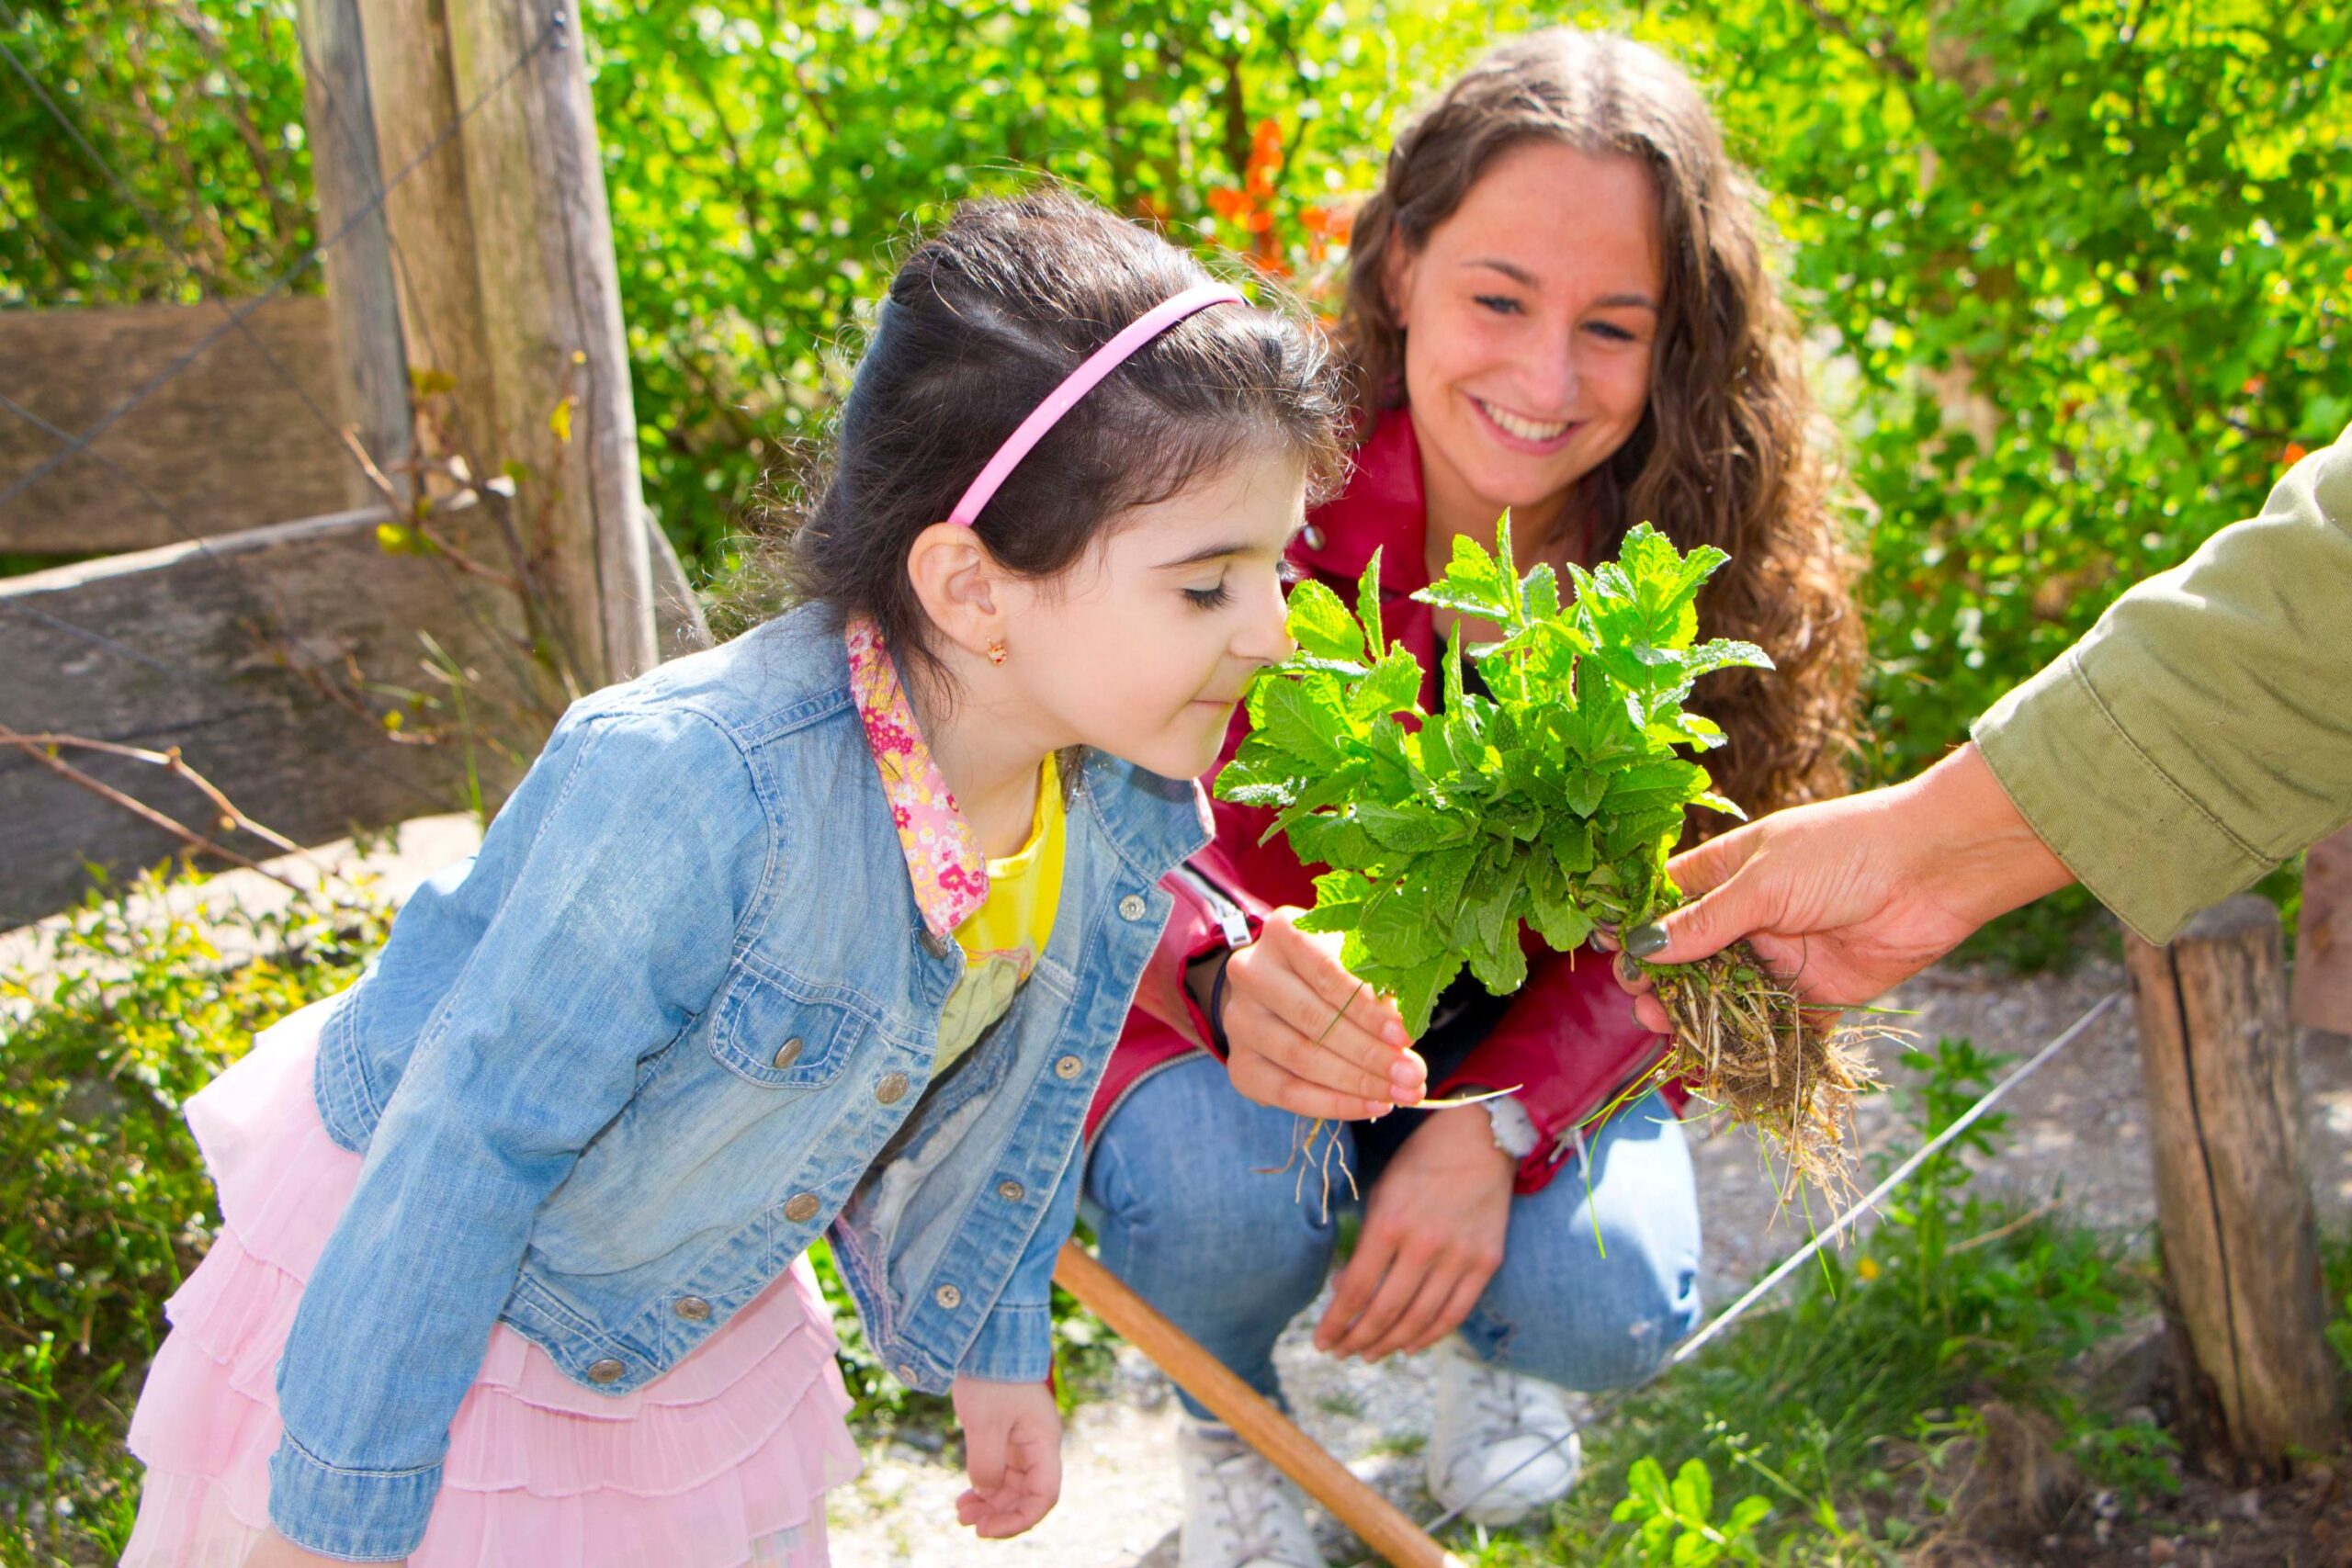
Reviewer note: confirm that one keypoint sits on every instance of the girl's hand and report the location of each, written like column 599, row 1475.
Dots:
column 274, row 1550
column 1012, row 1452
column 1433, row 1232
column 1305, row 1035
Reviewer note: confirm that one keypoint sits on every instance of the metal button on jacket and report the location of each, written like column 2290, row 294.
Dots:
column 693, row 1309
column 907, row 1374
column 1311, row 536
column 1069, row 1068
column 1131, row 907
column 606, row 1370
column 801, row 1208
column 1010, row 1192
column 788, row 1053
column 892, row 1088
column 948, row 1296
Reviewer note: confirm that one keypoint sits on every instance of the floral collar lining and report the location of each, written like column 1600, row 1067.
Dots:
column 944, row 859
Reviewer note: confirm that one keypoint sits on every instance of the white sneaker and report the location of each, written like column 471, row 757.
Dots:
column 1503, row 1445
column 1238, row 1510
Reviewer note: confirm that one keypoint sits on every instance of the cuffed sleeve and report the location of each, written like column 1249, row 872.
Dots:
column 1206, row 919
column 1015, row 1343
column 612, row 932
column 2198, row 734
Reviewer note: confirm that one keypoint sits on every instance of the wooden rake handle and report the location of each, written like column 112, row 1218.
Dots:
column 1382, row 1528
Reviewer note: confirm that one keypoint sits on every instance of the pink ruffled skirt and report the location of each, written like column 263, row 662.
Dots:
column 721, row 1462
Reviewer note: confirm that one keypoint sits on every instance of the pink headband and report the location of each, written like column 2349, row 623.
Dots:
column 1082, row 381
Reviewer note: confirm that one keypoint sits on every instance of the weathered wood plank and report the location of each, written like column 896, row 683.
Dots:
column 236, row 651
column 2234, row 1194
column 226, row 445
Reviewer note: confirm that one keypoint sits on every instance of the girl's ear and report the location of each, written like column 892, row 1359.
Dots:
column 956, row 580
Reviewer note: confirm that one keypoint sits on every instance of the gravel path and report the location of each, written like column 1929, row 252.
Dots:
column 2078, row 1133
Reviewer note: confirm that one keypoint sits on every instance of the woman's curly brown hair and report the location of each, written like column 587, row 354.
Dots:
column 1724, row 453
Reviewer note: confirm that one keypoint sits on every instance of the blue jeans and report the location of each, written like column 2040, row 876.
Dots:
column 1595, row 1289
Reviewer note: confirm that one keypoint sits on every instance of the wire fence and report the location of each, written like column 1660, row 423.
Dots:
column 236, row 318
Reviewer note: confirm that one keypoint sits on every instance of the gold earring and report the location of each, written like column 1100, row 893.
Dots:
column 996, row 651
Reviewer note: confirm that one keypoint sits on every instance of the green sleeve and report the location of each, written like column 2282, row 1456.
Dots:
column 2201, row 732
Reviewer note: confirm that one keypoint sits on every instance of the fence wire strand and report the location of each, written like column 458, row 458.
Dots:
column 1607, row 1405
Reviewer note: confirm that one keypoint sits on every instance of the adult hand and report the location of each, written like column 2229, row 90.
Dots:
column 1433, row 1230
column 1305, row 1035
column 1850, row 897
column 274, row 1550
column 1013, row 1455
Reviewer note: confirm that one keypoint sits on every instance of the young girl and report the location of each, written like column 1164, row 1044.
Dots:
column 833, row 925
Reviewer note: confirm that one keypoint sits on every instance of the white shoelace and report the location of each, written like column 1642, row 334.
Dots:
column 1248, row 1500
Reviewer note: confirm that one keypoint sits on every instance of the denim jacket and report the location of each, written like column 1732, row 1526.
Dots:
column 614, row 1074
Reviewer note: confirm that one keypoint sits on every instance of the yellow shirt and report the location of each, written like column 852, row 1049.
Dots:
column 1002, row 939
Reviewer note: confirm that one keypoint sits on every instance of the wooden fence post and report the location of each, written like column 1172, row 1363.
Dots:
column 2321, row 997
column 370, row 364
column 550, row 306
column 2234, row 1195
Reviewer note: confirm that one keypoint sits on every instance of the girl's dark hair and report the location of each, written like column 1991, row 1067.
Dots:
column 984, row 320
column 1723, row 455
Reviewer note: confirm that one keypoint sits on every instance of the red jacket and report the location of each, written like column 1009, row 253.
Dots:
column 1568, row 1036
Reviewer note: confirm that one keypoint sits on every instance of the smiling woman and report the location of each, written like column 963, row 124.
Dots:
column 1557, row 303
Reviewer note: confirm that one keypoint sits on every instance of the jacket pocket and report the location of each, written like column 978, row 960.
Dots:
column 764, row 1034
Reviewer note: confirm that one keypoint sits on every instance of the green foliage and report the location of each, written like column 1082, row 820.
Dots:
column 1673, row 1522
column 198, row 109
column 2076, row 270
column 104, row 1201
column 2086, row 268
column 1553, row 802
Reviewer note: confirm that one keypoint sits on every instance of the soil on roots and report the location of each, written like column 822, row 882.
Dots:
column 1746, row 1046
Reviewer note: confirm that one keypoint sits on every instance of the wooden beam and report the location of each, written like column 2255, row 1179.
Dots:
column 371, row 362
column 225, row 444
column 254, row 655
column 564, row 417
column 2234, row 1194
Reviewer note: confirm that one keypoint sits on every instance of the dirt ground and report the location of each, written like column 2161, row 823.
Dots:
column 2078, row 1136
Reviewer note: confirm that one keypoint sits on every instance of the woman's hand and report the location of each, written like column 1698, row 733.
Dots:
column 1433, row 1235
column 1305, row 1035
column 1848, row 898
column 274, row 1550
column 1012, row 1453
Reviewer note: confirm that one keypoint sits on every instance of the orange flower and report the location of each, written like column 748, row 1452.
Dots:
column 1261, row 222
column 1343, row 228
column 2295, row 453
column 2252, row 387
column 1262, row 180
column 1227, row 202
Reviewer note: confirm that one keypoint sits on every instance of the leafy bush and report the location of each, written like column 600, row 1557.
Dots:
column 104, row 1201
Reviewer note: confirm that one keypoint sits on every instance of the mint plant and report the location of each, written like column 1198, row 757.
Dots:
column 1550, row 804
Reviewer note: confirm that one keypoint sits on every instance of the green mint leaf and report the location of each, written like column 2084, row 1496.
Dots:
column 1410, row 828
column 1321, row 625
column 1368, row 611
